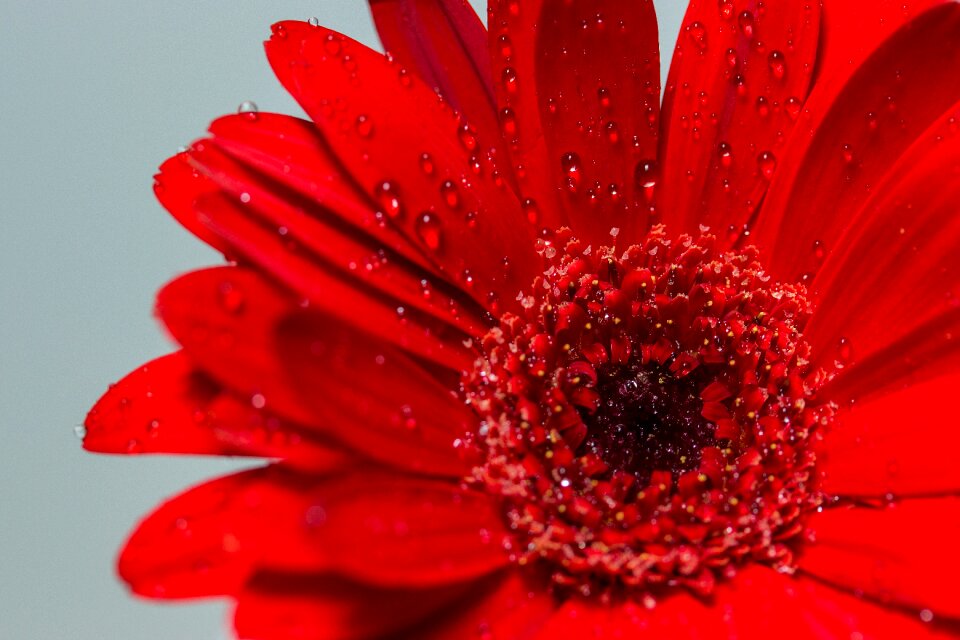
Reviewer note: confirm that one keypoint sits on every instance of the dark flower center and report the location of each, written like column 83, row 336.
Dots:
column 648, row 420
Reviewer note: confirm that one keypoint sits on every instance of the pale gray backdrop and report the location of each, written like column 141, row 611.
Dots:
column 93, row 96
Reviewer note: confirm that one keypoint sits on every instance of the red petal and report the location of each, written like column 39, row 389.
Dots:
column 396, row 531
column 512, row 608
column 208, row 540
column 167, row 406
column 289, row 152
column 350, row 256
column 738, row 79
column 235, row 326
column 380, row 123
column 380, row 529
column 899, row 443
column 327, row 607
column 903, row 244
column 513, row 56
column 445, row 43
column 598, row 77
column 902, row 554
column 843, row 151
column 371, row 396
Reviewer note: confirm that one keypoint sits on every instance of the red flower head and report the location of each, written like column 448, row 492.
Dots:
column 535, row 357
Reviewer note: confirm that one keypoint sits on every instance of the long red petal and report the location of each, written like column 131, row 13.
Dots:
column 738, row 79
column 900, row 443
column 445, row 43
column 902, row 554
column 372, row 397
column 844, row 151
column 513, row 58
column 290, row 152
column 347, row 255
column 168, row 406
column 903, row 243
column 597, row 72
column 313, row 370
column 377, row 528
column 328, row 607
column 512, row 608
column 396, row 136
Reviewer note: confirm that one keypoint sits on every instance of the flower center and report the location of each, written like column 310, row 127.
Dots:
column 648, row 421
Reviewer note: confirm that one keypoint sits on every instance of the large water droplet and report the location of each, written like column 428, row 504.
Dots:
column 697, row 34
column 429, row 230
column 248, row 109
column 767, row 163
column 388, row 195
column 778, row 64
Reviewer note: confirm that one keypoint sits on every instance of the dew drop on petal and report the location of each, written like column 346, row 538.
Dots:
column 778, row 64
column 450, row 194
column 725, row 152
column 429, row 230
column 697, row 34
column 745, row 20
column 364, row 126
column 80, row 431
column 767, row 163
column 248, row 109
column 230, row 298
column 426, row 164
column 388, row 196
column 645, row 176
column 572, row 169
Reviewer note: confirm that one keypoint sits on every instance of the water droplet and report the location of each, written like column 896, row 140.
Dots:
column 613, row 132
column 697, row 34
column 388, row 195
column 509, row 80
column 603, row 95
column 767, row 163
column 645, row 176
column 313, row 21
column 249, row 110
column 333, row 45
column 726, row 154
column 450, row 195
column 506, row 47
column 763, row 106
column 570, row 164
column 230, row 298
column 745, row 20
column 508, row 122
column 726, row 9
column 364, row 126
column 468, row 138
column 531, row 210
column 793, row 106
column 426, row 164
column 846, row 152
column 844, row 352
column 429, row 230
column 80, row 431
column 778, row 64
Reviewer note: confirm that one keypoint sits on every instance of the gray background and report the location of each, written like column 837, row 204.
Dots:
column 94, row 96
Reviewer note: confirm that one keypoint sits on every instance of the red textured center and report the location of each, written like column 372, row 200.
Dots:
column 648, row 421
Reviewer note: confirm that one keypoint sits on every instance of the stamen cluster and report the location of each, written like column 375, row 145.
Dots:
column 648, row 420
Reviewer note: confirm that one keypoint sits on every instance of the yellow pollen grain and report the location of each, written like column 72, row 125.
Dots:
column 619, row 516
column 567, row 347
column 558, row 408
column 752, row 415
column 588, row 326
column 541, row 373
column 733, row 501
column 702, row 477
column 562, row 508
column 732, row 362
column 683, row 459
column 548, row 454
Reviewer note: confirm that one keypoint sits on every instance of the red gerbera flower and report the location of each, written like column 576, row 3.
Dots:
column 538, row 358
